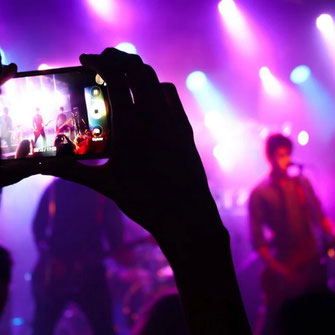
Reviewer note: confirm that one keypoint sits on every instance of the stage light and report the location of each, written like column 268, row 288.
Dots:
column 234, row 20
column 303, row 138
column 264, row 73
column 196, row 81
column 264, row 133
column 270, row 83
column 102, row 7
column 17, row 322
column 300, row 74
column 127, row 47
column 43, row 67
column 287, row 129
column 325, row 23
column 3, row 56
column 27, row 276
column 227, row 7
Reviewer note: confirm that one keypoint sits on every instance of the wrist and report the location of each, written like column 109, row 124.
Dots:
column 194, row 214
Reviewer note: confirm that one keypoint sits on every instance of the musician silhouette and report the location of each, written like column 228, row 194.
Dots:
column 6, row 127
column 38, row 125
column 69, row 228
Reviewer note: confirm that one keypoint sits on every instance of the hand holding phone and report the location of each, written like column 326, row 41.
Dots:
column 156, row 177
column 154, row 164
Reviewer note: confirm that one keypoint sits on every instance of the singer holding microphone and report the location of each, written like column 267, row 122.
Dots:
column 285, row 218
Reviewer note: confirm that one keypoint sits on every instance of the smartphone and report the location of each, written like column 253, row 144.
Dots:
column 55, row 113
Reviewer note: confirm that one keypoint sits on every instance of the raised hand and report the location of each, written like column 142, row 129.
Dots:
column 154, row 166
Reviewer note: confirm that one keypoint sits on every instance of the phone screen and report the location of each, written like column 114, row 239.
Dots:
column 62, row 112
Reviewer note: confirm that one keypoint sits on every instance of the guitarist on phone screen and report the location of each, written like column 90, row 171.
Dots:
column 63, row 123
column 38, row 126
column 292, row 214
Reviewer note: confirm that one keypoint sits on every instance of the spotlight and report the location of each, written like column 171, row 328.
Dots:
column 287, row 129
column 300, row 74
column 270, row 83
column 102, row 7
column 3, row 56
column 127, row 47
column 264, row 73
column 227, row 7
column 325, row 23
column 196, row 81
column 17, row 322
column 43, row 67
column 303, row 138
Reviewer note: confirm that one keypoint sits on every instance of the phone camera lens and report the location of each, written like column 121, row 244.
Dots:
column 95, row 92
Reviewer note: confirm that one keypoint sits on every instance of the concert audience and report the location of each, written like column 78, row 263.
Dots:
column 23, row 149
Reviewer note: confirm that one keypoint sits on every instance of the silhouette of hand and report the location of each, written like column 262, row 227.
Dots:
column 154, row 167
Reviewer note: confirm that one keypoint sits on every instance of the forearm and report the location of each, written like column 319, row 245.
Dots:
column 204, row 273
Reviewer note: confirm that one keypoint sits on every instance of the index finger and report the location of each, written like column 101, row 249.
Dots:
column 7, row 72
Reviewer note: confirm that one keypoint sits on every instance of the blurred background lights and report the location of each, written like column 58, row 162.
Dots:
column 264, row 133
column 43, row 67
column 27, row 276
column 264, row 73
column 127, row 47
column 227, row 7
column 102, row 7
column 196, row 81
column 303, row 138
column 17, row 322
column 236, row 24
column 3, row 56
column 287, row 129
column 271, row 84
column 325, row 23
column 300, row 74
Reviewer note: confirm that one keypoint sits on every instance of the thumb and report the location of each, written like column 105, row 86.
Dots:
column 68, row 169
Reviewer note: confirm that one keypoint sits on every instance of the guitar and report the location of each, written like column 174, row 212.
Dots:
column 67, row 122
column 38, row 132
column 279, row 287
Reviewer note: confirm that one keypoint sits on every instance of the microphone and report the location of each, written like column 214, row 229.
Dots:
column 299, row 165
column 295, row 168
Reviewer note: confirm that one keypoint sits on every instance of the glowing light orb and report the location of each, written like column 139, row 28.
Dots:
column 287, row 129
column 236, row 24
column 103, row 8
column 264, row 133
column 196, row 81
column 227, row 7
column 17, row 322
column 3, row 56
column 264, row 72
column 43, row 67
column 300, row 74
column 303, row 138
column 325, row 23
column 127, row 47
column 271, row 84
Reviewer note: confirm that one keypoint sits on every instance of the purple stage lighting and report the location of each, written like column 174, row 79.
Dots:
column 300, row 74
column 234, row 20
column 104, row 8
column 3, row 56
column 43, row 67
column 196, row 81
column 227, row 7
column 127, row 47
column 287, row 129
column 325, row 23
column 303, row 138
column 271, row 84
